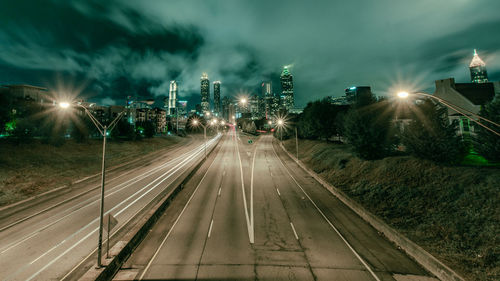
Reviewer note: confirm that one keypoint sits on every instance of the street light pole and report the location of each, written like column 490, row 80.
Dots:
column 104, row 132
column 297, row 143
column 103, row 175
column 205, row 137
column 177, row 119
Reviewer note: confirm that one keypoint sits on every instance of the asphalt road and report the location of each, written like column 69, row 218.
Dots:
column 50, row 240
column 252, row 214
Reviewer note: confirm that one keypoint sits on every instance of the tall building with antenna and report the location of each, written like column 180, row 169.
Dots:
column 477, row 69
column 205, row 93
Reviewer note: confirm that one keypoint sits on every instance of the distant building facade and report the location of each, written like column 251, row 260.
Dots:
column 270, row 104
column 287, row 95
column 217, row 102
column 225, row 108
column 354, row 94
column 159, row 118
column 477, row 67
column 27, row 92
column 205, row 93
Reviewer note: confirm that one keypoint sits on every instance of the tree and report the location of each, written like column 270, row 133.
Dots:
column 318, row 119
column 149, row 129
column 5, row 112
column 486, row 142
column 24, row 130
column 124, row 129
column 369, row 129
column 431, row 136
column 82, row 127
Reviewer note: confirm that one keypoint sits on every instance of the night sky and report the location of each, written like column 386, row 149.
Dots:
column 107, row 50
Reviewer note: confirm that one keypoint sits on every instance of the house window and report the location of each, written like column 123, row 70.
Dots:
column 465, row 125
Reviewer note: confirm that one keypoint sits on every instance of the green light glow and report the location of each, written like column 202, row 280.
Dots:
column 10, row 126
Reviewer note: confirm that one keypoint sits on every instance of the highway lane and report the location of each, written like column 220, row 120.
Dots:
column 50, row 244
column 256, row 216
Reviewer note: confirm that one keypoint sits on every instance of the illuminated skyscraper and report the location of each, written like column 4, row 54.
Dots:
column 287, row 100
column 267, row 94
column 217, row 105
column 172, row 98
column 226, row 101
column 205, row 93
column 477, row 69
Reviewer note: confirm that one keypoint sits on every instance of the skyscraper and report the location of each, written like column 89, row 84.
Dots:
column 287, row 100
column 172, row 98
column 268, row 99
column 477, row 69
column 205, row 93
column 217, row 105
column 226, row 101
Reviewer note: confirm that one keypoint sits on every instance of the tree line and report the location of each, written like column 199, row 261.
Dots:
column 371, row 126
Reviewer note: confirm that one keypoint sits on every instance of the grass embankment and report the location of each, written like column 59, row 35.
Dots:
column 30, row 169
column 452, row 212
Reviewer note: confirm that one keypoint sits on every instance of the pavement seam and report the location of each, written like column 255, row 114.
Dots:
column 290, row 220
column 327, row 220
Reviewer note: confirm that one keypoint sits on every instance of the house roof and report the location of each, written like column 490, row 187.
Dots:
column 477, row 93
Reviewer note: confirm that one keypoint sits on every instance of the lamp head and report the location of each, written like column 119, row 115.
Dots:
column 64, row 105
column 403, row 95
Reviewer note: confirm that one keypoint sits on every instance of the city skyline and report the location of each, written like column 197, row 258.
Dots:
column 409, row 46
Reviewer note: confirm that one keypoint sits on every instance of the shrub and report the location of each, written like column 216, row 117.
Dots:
column 370, row 131
column 486, row 142
column 431, row 136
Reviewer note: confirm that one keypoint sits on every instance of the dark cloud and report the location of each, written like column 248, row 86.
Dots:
column 450, row 51
column 119, row 48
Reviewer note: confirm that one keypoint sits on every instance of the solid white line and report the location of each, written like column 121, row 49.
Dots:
column 294, row 232
column 219, row 191
column 327, row 220
column 251, row 194
column 183, row 162
column 210, row 229
column 278, row 192
column 86, row 203
column 244, row 196
column 175, row 223
column 112, row 235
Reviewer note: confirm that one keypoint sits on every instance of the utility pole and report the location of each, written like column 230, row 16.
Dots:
column 297, row 143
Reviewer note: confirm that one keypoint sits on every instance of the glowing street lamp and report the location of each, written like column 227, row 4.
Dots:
column 64, row 105
column 403, row 95
column 104, row 130
column 456, row 108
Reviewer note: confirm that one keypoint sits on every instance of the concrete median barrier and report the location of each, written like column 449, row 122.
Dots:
column 131, row 240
